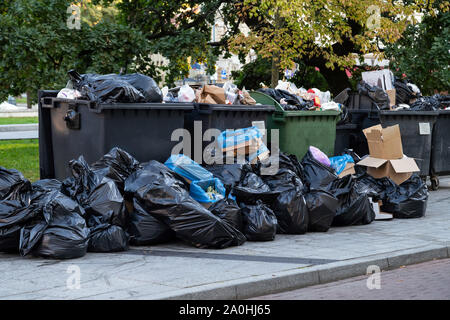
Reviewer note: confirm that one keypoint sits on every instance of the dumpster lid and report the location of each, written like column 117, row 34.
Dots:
column 52, row 102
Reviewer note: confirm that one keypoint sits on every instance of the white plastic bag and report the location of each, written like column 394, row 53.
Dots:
column 67, row 93
column 186, row 94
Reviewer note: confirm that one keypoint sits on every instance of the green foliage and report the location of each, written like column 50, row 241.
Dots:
column 253, row 73
column 37, row 47
column 423, row 53
column 308, row 77
column 21, row 120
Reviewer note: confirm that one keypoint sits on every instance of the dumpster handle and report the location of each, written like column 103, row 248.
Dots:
column 202, row 108
column 278, row 118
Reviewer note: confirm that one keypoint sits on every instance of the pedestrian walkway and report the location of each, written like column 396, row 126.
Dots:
column 177, row 270
column 19, row 131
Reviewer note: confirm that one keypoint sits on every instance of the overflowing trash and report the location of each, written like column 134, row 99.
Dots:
column 118, row 201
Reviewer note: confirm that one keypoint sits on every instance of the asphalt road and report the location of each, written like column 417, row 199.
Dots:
column 424, row 281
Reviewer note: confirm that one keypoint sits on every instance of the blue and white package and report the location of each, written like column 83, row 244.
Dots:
column 338, row 163
column 198, row 191
column 187, row 168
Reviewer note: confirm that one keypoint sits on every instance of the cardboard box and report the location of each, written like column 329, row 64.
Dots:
column 391, row 93
column 380, row 215
column 384, row 143
column 398, row 170
column 349, row 169
column 211, row 94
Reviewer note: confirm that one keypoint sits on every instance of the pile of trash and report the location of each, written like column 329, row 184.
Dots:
column 292, row 98
column 117, row 201
column 211, row 94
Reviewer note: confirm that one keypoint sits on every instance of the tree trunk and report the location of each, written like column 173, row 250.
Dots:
column 28, row 100
column 275, row 71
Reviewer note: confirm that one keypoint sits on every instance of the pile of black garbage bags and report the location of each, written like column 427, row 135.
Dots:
column 117, row 201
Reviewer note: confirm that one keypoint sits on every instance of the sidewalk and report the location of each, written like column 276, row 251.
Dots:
column 19, row 131
column 256, row 268
column 8, row 111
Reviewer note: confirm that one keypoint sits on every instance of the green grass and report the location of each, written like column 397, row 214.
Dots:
column 21, row 100
column 18, row 120
column 22, row 155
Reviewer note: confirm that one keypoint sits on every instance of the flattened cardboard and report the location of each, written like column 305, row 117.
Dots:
column 391, row 95
column 349, row 169
column 404, row 165
column 384, row 143
column 397, row 170
column 372, row 162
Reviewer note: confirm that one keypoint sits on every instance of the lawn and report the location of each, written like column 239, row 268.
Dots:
column 21, row 120
column 22, row 155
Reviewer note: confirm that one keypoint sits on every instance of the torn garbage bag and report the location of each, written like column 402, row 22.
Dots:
column 317, row 175
column 407, row 200
column 229, row 174
column 253, row 188
column 107, row 238
column 228, row 210
column 164, row 196
column 145, row 229
column 260, row 223
column 206, row 192
column 322, row 207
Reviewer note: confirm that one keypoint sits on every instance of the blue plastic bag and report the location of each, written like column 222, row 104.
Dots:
column 187, row 168
column 338, row 163
column 231, row 138
column 198, row 191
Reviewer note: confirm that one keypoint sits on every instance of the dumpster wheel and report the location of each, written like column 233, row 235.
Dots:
column 434, row 183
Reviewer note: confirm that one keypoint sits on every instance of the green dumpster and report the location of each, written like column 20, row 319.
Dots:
column 300, row 129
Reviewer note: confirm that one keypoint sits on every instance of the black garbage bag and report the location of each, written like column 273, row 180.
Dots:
column 407, row 200
column 12, row 216
column 106, row 201
column 425, row 104
column 112, row 88
column 166, row 197
column 229, row 174
column 46, row 185
column 260, row 223
column 291, row 211
column 65, row 236
column 116, row 165
column 403, row 93
column 252, row 188
column 146, row 86
column 12, row 184
column 96, row 193
column 288, row 100
column 317, row 175
column 322, row 207
column 354, row 207
column 145, row 229
column 283, row 180
column 374, row 188
column 107, row 238
column 228, row 210
column 376, row 94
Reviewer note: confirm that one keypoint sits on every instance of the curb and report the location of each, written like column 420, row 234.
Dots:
column 303, row 277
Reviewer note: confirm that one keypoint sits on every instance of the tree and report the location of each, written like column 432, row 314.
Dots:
column 37, row 47
column 322, row 33
column 423, row 52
